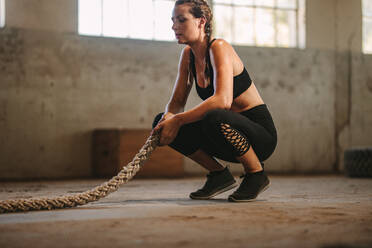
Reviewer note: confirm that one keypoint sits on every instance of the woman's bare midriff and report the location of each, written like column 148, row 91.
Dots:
column 247, row 100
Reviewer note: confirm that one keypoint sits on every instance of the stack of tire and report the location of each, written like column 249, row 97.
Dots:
column 358, row 162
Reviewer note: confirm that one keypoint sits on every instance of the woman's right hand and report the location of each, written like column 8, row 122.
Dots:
column 165, row 116
column 168, row 129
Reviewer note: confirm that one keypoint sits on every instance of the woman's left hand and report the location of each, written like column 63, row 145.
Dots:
column 168, row 130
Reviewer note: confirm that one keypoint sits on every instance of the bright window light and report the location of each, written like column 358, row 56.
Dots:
column 163, row 23
column 90, row 17
column 265, row 27
column 243, row 16
column 367, row 26
column 223, row 16
column 115, row 21
column 261, row 22
column 243, row 22
column 139, row 19
column 2, row 13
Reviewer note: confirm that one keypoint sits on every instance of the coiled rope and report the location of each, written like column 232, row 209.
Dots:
column 92, row 195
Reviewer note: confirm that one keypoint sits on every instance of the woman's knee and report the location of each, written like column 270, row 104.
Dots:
column 157, row 119
column 213, row 116
column 212, row 120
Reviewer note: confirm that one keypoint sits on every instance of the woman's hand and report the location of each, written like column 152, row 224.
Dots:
column 168, row 128
column 166, row 116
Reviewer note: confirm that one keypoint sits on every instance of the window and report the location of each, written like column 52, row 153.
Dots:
column 140, row 19
column 242, row 22
column 2, row 13
column 261, row 22
column 367, row 26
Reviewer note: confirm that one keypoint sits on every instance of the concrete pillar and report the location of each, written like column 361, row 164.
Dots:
column 337, row 25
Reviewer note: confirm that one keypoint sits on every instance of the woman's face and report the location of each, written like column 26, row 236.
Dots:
column 186, row 27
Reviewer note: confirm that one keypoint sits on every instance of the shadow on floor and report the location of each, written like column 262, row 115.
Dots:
column 171, row 201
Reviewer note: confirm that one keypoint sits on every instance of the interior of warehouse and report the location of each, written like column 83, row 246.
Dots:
column 81, row 82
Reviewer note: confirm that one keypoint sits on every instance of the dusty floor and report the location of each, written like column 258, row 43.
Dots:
column 296, row 211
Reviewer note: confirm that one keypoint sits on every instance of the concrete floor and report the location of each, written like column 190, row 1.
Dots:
column 296, row 211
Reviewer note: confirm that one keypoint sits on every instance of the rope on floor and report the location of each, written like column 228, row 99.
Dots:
column 92, row 195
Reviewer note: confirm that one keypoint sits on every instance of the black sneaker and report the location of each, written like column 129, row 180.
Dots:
column 250, row 187
column 217, row 183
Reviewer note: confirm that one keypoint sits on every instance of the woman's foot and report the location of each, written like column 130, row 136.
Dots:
column 250, row 187
column 217, row 183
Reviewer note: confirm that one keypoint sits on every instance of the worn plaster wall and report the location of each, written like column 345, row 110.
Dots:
column 53, row 15
column 348, row 42
column 354, row 103
column 320, row 24
column 360, row 125
column 57, row 86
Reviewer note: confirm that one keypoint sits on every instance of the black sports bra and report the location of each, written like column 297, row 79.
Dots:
column 241, row 81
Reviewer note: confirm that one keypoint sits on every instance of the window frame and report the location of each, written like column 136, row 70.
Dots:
column 300, row 28
column 299, row 11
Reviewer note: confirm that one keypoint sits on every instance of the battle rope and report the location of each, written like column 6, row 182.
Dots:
column 92, row 195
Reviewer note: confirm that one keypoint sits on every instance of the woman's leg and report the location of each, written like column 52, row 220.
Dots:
column 206, row 161
column 188, row 141
column 219, row 178
column 250, row 161
column 245, row 153
column 234, row 137
column 239, row 136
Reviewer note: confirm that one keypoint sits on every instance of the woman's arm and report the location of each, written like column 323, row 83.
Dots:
column 221, row 59
column 182, row 87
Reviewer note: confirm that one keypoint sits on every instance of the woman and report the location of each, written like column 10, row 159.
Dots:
column 232, row 123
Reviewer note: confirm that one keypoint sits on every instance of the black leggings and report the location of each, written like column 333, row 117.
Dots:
column 226, row 135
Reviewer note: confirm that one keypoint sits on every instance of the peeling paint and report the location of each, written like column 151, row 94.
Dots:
column 284, row 86
column 11, row 54
column 42, row 108
column 316, row 58
column 369, row 84
column 264, row 83
column 305, row 74
column 41, row 148
column 292, row 64
column 3, row 110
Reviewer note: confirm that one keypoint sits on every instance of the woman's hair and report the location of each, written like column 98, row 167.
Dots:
column 200, row 8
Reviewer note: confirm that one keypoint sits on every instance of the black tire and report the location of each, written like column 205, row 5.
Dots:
column 358, row 162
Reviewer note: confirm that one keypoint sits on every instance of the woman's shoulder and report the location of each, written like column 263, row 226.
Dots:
column 220, row 46
column 186, row 49
column 219, row 42
column 185, row 54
